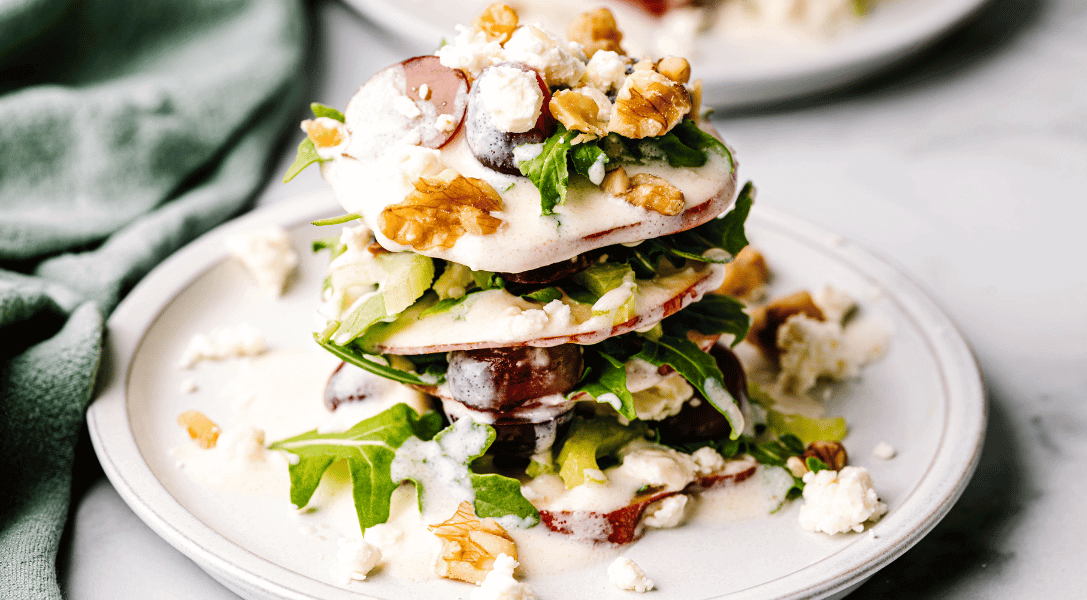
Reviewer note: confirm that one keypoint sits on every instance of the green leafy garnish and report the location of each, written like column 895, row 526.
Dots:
column 368, row 448
column 584, row 156
column 712, row 315
column 544, row 295
column 336, row 220
column 699, row 369
column 548, row 171
column 351, row 354
column 815, row 465
column 306, row 156
column 605, row 380
column 321, row 110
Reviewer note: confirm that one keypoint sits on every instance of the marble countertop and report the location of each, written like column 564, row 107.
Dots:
column 967, row 167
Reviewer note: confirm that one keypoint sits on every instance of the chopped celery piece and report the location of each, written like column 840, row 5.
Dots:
column 589, row 440
column 366, row 312
column 604, row 278
column 410, row 275
column 808, row 429
column 453, row 282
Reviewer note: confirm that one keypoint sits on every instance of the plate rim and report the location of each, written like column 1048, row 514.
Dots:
column 823, row 71
column 242, row 571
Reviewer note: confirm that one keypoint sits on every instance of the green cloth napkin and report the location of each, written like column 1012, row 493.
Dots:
column 127, row 128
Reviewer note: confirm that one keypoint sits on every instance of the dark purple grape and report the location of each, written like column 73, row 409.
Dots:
column 500, row 379
column 548, row 274
column 494, row 148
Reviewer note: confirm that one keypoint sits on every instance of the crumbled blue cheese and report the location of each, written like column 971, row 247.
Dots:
column 355, row 559
column 513, row 98
column 664, row 399
column 470, row 50
column 561, row 63
column 811, row 349
column 884, row 451
column 839, row 501
column 267, row 254
column 607, row 70
column 625, row 574
column 500, row 583
column 241, row 445
column 229, row 342
column 667, row 512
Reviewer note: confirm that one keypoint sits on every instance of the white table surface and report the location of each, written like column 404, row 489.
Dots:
column 967, row 167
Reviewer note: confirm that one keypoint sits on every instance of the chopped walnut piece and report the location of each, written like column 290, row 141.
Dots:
column 470, row 545
column 201, row 429
column 653, row 193
column 441, row 210
column 329, row 136
column 580, row 111
column 745, row 275
column 832, row 454
column 675, row 68
column 648, row 105
column 765, row 321
column 616, row 182
column 696, row 100
column 497, row 22
column 596, row 30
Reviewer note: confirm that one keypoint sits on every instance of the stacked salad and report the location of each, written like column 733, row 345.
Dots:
column 535, row 230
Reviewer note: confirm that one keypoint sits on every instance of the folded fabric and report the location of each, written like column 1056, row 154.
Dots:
column 127, row 128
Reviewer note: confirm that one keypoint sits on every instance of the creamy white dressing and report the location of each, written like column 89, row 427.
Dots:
column 527, row 240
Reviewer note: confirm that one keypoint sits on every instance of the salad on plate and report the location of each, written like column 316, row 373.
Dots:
column 552, row 327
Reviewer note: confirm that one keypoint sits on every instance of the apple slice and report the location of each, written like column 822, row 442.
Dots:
column 624, row 525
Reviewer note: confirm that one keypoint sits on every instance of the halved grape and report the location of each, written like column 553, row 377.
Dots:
column 492, row 147
column 500, row 379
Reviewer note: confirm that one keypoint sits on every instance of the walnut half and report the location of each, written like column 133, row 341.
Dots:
column 648, row 105
column 470, row 545
column 441, row 210
column 647, row 191
column 832, row 454
column 582, row 110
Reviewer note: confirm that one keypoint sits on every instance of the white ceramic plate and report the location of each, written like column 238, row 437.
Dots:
column 924, row 398
column 736, row 73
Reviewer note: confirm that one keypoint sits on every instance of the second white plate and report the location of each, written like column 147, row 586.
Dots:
column 735, row 73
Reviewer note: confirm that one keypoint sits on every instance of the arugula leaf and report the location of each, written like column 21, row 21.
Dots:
column 712, row 315
column 544, row 295
column 306, row 156
column 584, row 156
column 693, row 136
column 606, row 381
column 699, row 369
column 321, row 110
column 447, row 460
column 369, row 448
column 336, row 220
column 548, row 171
column 815, row 465
column 678, row 153
column 351, row 354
